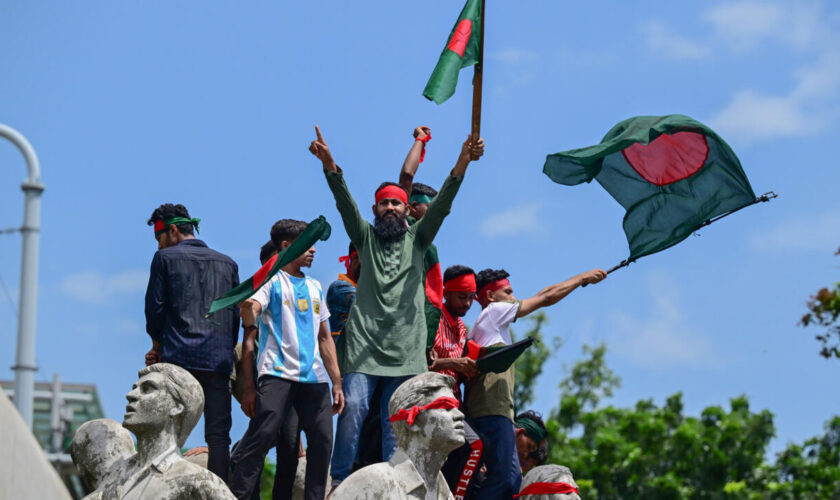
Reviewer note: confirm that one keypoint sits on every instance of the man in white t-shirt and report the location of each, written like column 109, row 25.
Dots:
column 295, row 364
column 488, row 401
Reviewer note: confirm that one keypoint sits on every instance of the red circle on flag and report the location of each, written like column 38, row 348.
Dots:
column 460, row 38
column 668, row 158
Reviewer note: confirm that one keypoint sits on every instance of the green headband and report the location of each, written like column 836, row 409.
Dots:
column 162, row 225
column 532, row 429
column 420, row 198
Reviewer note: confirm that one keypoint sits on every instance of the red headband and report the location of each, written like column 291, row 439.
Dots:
column 463, row 283
column 347, row 258
column 158, row 226
column 546, row 489
column 424, row 140
column 441, row 403
column 493, row 286
column 391, row 191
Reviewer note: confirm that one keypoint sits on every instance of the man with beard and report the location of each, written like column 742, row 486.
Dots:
column 384, row 341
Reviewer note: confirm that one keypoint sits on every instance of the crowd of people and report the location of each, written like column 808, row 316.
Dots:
column 307, row 355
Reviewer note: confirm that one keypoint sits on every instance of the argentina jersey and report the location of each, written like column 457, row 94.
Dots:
column 292, row 311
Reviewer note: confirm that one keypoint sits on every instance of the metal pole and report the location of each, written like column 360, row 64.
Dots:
column 56, row 425
column 24, row 367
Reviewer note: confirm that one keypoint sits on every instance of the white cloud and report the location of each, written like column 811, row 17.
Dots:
column 671, row 45
column 744, row 25
column 517, row 220
column 514, row 56
column 662, row 337
column 801, row 234
column 95, row 288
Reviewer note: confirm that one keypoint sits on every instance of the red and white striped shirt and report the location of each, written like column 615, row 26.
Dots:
column 449, row 343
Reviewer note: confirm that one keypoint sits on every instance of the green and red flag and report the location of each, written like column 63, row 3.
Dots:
column 317, row 230
column 462, row 49
column 496, row 359
column 671, row 173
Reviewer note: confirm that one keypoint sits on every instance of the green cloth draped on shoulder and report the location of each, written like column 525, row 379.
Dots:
column 317, row 230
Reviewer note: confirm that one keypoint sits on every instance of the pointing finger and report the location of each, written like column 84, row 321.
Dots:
column 318, row 131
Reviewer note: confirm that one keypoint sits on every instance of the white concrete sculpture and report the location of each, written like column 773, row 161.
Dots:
column 549, row 482
column 428, row 426
column 97, row 446
column 25, row 471
column 163, row 407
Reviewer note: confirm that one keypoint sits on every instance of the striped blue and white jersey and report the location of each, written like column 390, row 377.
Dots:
column 292, row 312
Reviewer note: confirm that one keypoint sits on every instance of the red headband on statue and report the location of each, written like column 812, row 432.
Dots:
column 493, row 286
column 347, row 258
column 546, row 489
column 391, row 191
column 441, row 403
column 463, row 283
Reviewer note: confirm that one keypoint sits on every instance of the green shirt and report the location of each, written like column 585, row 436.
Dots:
column 386, row 329
column 490, row 394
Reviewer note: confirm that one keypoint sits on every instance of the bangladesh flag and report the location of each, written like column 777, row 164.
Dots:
column 318, row 229
column 462, row 50
column 671, row 173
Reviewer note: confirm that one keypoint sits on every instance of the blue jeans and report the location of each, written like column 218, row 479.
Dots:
column 504, row 475
column 358, row 389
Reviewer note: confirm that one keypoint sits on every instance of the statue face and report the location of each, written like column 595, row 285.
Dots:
column 150, row 406
column 443, row 428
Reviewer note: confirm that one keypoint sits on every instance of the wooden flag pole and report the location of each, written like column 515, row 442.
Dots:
column 479, row 70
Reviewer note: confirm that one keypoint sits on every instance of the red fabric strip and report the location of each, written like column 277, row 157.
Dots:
column 463, row 283
column 434, row 286
column 476, row 448
column 424, row 140
column 546, row 489
column 260, row 275
column 391, row 191
column 493, row 286
column 347, row 258
column 158, row 226
column 409, row 415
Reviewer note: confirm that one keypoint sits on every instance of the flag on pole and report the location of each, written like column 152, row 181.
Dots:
column 462, row 50
column 318, row 229
column 671, row 173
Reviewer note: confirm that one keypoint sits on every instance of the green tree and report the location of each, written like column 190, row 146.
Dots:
column 529, row 366
column 823, row 311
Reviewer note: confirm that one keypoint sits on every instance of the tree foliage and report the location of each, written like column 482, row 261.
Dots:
column 529, row 366
column 823, row 311
column 658, row 452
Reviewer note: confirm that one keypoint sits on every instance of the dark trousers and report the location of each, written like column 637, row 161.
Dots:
column 276, row 400
column 217, row 420
column 287, row 447
column 503, row 473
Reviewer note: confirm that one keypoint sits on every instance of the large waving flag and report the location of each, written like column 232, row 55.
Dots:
column 462, row 49
column 318, row 229
column 671, row 173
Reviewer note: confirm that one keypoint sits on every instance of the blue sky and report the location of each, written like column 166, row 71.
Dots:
column 212, row 104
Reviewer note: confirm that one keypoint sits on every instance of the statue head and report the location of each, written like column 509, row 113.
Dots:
column 546, row 478
column 97, row 445
column 434, row 428
column 164, row 394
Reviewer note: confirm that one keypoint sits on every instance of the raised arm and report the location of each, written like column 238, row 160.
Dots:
column 469, row 151
column 354, row 224
column 412, row 160
column 553, row 294
column 439, row 208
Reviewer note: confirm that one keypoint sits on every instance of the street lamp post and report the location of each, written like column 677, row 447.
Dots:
column 32, row 187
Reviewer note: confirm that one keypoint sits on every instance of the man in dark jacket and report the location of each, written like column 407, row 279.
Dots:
column 185, row 277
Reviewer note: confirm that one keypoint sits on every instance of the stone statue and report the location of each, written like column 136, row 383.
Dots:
column 427, row 425
column 98, row 445
column 163, row 407
column 549, row 482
